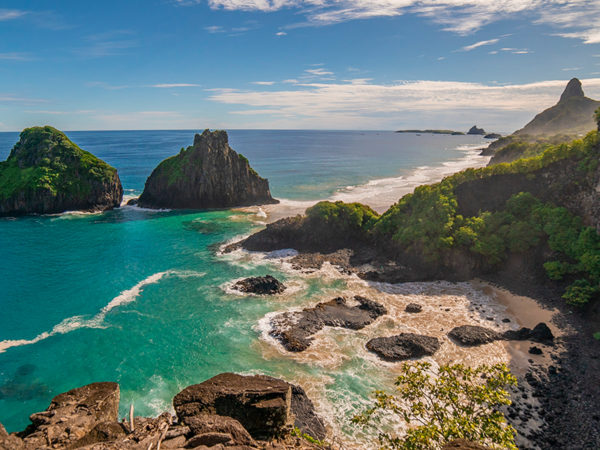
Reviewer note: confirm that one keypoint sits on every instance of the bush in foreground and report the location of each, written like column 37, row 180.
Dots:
column 456, row 403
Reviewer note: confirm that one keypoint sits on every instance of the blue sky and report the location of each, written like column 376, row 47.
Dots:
column 337, row 64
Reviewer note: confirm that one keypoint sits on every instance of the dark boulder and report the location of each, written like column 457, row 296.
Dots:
column 260, row 403
column 492, row 136
column 541, row 333
column 535, row 350
column 295, row 329
column 209, row 174
column 305, row 418
column 413, row 308
column 472, row 335
column 403, row 346
column 266, row 285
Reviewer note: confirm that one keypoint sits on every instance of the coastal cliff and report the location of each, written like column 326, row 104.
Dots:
column 209, row 174
column 570, row 118
column 46, row 173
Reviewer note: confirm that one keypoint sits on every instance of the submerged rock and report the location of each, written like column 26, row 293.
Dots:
column 209, row 174
column 403, row 346
column 295, row 329
column 267, row 285
column 472, row 335
column 46, row 173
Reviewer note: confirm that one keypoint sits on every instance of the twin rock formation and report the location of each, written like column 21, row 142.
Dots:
column 47, row 173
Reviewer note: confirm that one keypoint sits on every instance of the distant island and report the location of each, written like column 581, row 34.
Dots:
column 472, row 131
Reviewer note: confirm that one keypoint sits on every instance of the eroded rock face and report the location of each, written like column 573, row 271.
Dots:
column 72, row 415
column 305, row 418
column 260, row 403
column 214, row 429
column 403, row 346
column 295, row 329
column 267, row 285
column 209, row 174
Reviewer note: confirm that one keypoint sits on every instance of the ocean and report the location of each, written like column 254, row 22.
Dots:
column 143, row 297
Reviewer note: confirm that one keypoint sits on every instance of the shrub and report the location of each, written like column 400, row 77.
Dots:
column 457, row 402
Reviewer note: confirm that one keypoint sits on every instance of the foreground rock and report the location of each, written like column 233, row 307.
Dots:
column 228, row 410
column 46, row 173
column 413, row 308
column 209, row 174
column 295, row 329
column 403, row 346
column 267, row 285
column 472, row 335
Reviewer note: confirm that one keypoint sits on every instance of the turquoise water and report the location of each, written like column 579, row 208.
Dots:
column 140, row 297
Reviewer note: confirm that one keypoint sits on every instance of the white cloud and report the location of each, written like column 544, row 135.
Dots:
column 174, row 85
column 281, row 33
column 319, row 72
column 345, row 105
column 579, row 19
column 468, row 48
column 215, row 29
column 11, row 14
column 264, row 83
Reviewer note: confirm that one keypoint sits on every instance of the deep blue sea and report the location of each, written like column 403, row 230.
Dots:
column 142, row 297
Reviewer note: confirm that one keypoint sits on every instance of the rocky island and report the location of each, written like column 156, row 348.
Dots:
column 46, row 173
column 208, row 174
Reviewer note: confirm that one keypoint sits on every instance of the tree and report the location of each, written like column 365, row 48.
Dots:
column 456, row 402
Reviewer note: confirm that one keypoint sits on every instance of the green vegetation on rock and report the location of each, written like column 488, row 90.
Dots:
column 345, row 217
column 457, row 402
column 44, row 159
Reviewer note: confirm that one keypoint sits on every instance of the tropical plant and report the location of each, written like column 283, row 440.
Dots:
column 457, row 402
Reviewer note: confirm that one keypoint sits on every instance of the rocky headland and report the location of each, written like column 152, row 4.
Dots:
column 570, row 118
column 46, row 173
column 208, row 174
column 226, row 411
column 527, row 226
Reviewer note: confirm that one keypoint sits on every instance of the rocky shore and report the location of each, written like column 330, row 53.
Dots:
column 228, row 410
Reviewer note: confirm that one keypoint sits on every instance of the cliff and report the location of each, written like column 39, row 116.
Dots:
column 46, row 173
column 209, row 174
column 570, row 118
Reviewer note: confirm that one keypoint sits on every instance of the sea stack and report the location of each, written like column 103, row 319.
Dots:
column 209, row 174
column 46, row 173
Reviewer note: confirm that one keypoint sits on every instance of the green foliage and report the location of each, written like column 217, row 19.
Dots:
column 353, row 218
column 457, row 402
column 307, row 437
column 44, row 159
column 597, row 117
column 597, row 336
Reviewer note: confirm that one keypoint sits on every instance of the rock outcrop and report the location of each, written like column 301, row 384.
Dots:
column 267, row 285
column 46, row 173
column 295, row 329
column 209, row 174
column 473, row 335
column 403, row 346
column 228, row 410
column 413, row 308
column 476, row 131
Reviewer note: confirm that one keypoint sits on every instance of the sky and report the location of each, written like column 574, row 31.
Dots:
column 291, row 64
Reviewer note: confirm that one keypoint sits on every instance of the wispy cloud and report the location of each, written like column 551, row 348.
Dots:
column 319, row 72
column 11, row 14
column 11, row 98
column 212, row 29
column 281, row 33
column 109, row 43
column 361, row 101
column 468, row 48
column 174, row 85
column 576, row 19
column 264, row 83
column 107, row 86
column 14, row 56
